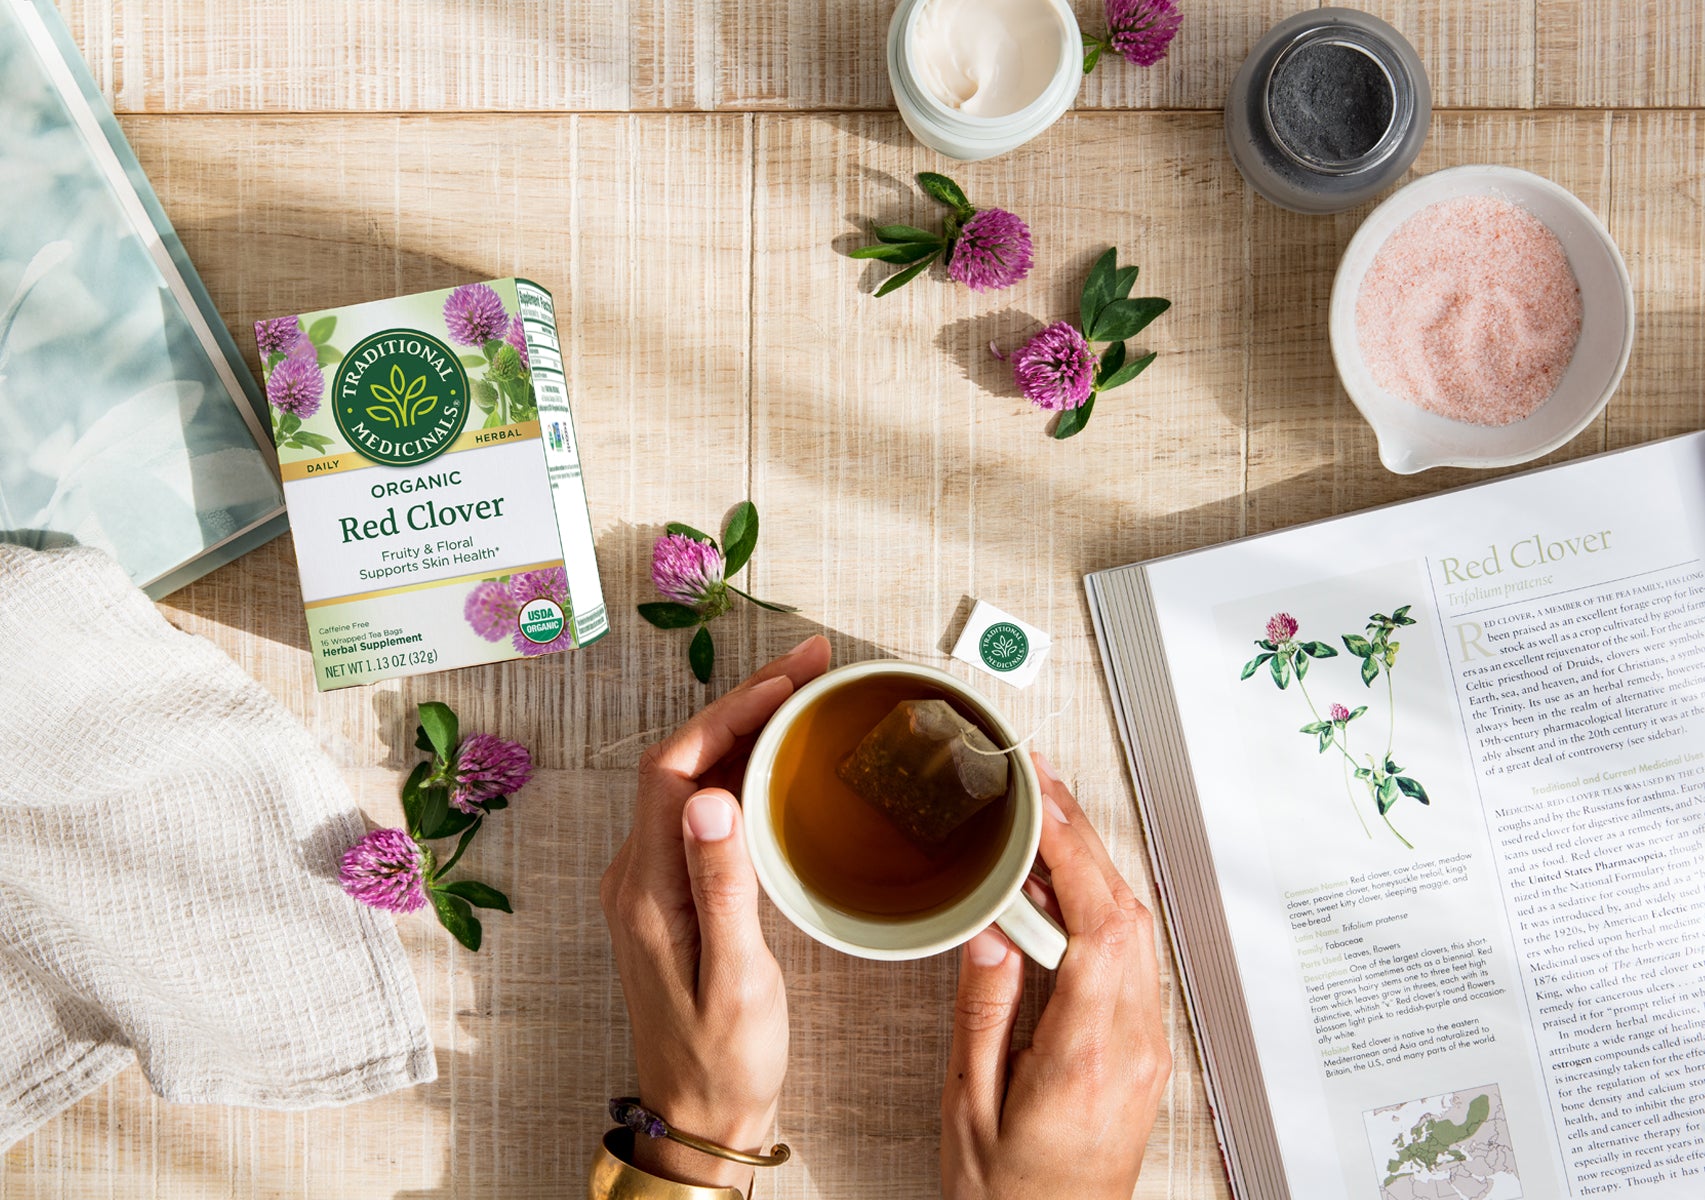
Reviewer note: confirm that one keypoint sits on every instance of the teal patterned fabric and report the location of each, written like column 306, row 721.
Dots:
column 116, row 427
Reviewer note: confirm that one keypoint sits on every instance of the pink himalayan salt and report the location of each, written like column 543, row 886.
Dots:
column 1470, row 310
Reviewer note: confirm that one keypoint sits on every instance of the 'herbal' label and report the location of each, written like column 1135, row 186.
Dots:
column 434, row 482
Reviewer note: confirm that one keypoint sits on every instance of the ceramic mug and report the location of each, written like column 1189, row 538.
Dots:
column 998, row 900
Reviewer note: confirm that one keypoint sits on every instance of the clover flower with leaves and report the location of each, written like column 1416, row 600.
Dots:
column 693, row 572
column 462, row 782
column 1286, row 658
column 1058, row 369
column 1139, row 31
column 987, row 248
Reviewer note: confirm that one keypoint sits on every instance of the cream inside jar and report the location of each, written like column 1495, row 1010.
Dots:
column 986, row 58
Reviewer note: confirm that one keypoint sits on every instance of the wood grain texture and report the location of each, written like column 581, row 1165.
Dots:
column 1478, row 53
column 719, row 343
column 602, row 55
column 1612, row 53
column 358, row 55
column 1657, row 216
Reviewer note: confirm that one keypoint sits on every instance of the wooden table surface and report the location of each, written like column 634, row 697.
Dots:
column 685, row 176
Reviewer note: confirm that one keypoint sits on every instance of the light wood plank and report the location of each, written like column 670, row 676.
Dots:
column 1621, row 53
column 1478, row 53
column 360, row 55
column 364, row 55
column 1657, row 216
column 1311, row 454
column 901, row 473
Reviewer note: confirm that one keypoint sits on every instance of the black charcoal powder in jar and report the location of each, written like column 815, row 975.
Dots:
column 1330, row 108
column 1329, row 102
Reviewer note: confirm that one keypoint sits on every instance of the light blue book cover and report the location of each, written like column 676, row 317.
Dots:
column 128, row 420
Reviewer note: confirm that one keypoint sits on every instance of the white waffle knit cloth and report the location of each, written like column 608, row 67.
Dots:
column 169, row 841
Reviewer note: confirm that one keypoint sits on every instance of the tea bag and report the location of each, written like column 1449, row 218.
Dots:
column 920, row 767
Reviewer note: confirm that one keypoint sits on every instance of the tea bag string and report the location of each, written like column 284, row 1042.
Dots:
column 1071, row 698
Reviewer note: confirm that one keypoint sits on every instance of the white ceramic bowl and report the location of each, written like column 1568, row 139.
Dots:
column 1412, row 439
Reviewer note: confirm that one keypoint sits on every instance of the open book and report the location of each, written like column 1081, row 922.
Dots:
column 1425, row 792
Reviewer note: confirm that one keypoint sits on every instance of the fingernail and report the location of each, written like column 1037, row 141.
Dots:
column 710, row 817
column 987, row 949
column 1054, row 810
column 801, row 646
column 1046, row 767
column 1034, row 889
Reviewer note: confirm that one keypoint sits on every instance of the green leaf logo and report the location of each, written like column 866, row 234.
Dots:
column 1003, row 647
column 404, row 401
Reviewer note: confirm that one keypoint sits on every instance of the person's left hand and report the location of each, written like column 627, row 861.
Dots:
column 704, row 994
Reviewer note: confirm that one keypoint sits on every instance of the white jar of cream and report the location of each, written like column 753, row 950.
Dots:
column 976, row 78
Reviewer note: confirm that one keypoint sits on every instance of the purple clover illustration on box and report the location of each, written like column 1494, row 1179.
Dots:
column 494, row 609
column 1286, row 658
column 291, row 358
column 475, row 317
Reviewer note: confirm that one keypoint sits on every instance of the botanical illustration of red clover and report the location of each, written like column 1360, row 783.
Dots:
column 1287, row 658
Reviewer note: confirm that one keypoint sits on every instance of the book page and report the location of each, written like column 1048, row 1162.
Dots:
column 1450, row 758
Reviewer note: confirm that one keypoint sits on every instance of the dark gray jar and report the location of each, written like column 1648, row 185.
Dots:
column 1328, row 110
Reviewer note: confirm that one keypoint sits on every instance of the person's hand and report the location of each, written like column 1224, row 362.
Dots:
column 704, row 994
column 1070, row 1115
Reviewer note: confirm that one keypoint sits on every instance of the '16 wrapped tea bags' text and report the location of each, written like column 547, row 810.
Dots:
column 433, row 482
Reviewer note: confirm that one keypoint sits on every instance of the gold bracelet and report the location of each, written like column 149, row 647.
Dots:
column 628, row 1111
column 614, row 1177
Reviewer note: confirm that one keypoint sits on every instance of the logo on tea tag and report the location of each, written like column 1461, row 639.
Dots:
column 1002, row 645
column 400, row 397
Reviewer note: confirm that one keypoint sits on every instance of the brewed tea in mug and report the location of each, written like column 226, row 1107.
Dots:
column 844, row 848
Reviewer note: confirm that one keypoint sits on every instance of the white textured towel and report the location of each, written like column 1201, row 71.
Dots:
column 169, row 839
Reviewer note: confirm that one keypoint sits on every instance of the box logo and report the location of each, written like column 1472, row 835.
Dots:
column 400, row 398
column 1003, row 646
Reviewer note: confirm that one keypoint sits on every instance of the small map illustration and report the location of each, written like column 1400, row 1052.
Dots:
column 1450, row 1147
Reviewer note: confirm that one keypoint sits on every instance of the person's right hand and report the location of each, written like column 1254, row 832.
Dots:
column 1070, row 1115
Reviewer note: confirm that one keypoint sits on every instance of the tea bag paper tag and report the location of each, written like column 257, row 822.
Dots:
column 1002, row 645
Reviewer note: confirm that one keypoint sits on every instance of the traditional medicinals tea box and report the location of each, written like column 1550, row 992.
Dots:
column 433, row 482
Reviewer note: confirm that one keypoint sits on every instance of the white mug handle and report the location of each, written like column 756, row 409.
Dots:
column 1033, row 931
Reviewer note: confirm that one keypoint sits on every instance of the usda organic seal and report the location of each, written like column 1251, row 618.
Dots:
column 542, row 621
